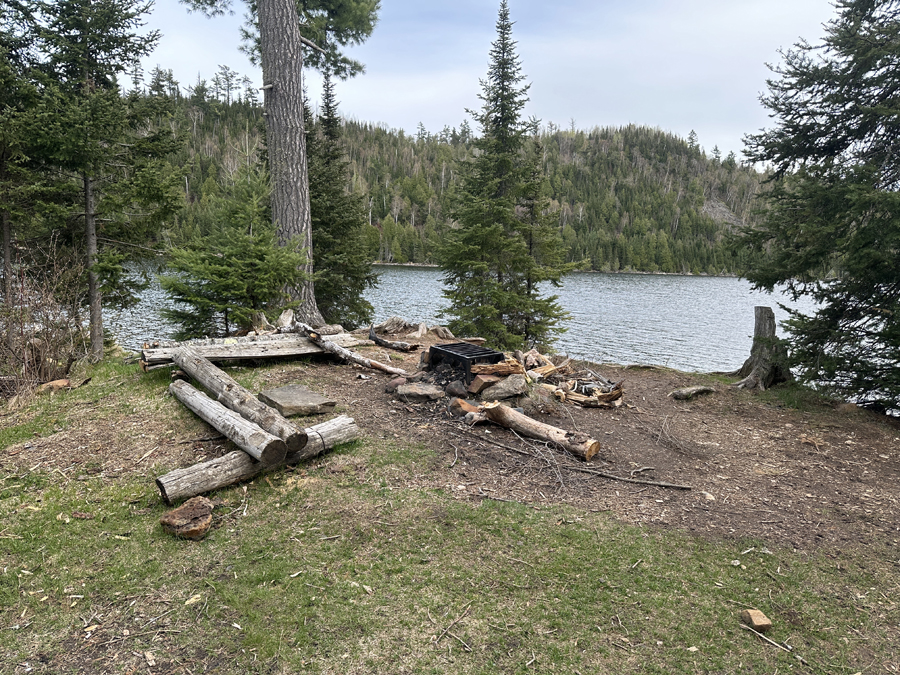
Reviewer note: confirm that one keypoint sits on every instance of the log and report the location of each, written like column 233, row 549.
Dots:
column 353, row 357
column 688, row 393
column 767, row 364
column 159, row 354
column 575, row 442
column 504, row 368
column 234, row 396
column 238, row 466
column 249, row 437
column 391, row 344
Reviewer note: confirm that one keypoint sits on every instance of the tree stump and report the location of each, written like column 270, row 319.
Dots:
column 767, row 364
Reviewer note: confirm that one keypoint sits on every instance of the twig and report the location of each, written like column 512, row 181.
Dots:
column 522, row 561
column 641, row 470
column 628, row 480
column 146, row 455
column 774, row 644
column 454, row 622
column 462, row 642
column 455, row 455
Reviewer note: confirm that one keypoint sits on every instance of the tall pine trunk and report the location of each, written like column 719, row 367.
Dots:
column 94, row 299
column 282, row 64
column 7, row 277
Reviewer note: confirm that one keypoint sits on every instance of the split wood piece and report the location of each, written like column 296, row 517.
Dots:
column 504, row 368
column 234, row 396
column 461, row 407
column 575, row 442
column 482, row 382
column 353, row 357
column 248, row 436
column 689, row 392
column 545, row 370
column 237, row 466
column 159, row 354
column 767, row 364
column 607, row 400
column 391, row 344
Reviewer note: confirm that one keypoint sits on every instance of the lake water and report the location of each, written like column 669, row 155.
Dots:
column 690, row 323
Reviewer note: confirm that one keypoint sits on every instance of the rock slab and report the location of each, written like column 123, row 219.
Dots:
column 514, row 385
column 756, row 620
column 419, row 392
column 191, row 520
column 295, row 399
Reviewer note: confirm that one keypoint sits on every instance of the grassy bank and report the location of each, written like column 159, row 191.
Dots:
column 338, row 567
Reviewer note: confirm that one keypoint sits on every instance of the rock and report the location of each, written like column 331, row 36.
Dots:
column 534, row 375
column 756, row 620
column 330, row 329
column 420, row 332
column 419, row 392
column 514, row 385
column 295, row 399
column 425, row 359
column 474, row 418
column 456, row 388
column 191, row 520
column 391, row 386
column 441, row 332
column 393, row 326
column 482, row 382
column 688, row 393
column 417, row 376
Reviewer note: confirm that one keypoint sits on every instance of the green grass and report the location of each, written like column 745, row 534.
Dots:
column 341, row 568
column 323, row 573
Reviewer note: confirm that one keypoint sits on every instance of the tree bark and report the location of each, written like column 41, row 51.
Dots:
column 237, row 466
column 249, row 437
column 575, row 442
column 94, row 298
column 237, row 398
column 767, row 364
column 281, row 54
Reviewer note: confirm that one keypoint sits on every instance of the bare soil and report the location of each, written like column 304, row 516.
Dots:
column 826, row 477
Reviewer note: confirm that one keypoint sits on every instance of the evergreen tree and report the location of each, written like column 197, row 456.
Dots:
column 495, row 258
column 236, row 270
column 101, row 138
column 832, row 229
column 343, row 267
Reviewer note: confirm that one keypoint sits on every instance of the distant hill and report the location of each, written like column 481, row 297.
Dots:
column 629, row 198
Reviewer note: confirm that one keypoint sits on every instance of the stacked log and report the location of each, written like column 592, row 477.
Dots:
column 237, row 466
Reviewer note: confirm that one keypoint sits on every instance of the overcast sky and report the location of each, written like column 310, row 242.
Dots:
column 678, row 66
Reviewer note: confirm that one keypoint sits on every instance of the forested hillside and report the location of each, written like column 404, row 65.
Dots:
column 628, row 198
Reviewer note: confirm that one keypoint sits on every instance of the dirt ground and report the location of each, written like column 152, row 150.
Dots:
column 824, row 478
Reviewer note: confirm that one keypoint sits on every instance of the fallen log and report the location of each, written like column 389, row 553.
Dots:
column 353, row 357
column 579, row 444
column 391, row 344
column 249, row 437
column 689, row 392
column 234, row 396
column 238, row 466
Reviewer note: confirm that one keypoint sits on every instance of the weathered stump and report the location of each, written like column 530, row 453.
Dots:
column 767, row 364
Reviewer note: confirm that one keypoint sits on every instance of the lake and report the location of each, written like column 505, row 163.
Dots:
column 691, row 323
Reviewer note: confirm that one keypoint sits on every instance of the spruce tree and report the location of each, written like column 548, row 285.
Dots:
column 501, row 248
column 342, row 264
column 832, row 228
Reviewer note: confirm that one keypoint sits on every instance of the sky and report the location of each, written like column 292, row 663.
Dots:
column 678, row 66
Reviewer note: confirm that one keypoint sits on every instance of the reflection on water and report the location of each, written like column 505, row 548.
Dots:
column 688, row 323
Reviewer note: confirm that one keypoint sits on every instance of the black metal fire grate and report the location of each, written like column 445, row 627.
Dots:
column 464, row 355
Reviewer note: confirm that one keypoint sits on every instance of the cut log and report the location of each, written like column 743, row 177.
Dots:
column 159, row 354
column 767, row 364
column 391, row 344
column 234, row 396
column 353, row 357
column 249, row 437
column 579, row 444
column 504, row 368
column 237, row 466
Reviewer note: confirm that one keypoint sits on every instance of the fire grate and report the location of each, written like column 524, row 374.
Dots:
column 464, row 355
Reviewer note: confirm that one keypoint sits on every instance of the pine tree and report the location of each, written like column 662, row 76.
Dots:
column 343, row 267
column 501, row 250
column 236, row 270
column 832, row 229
